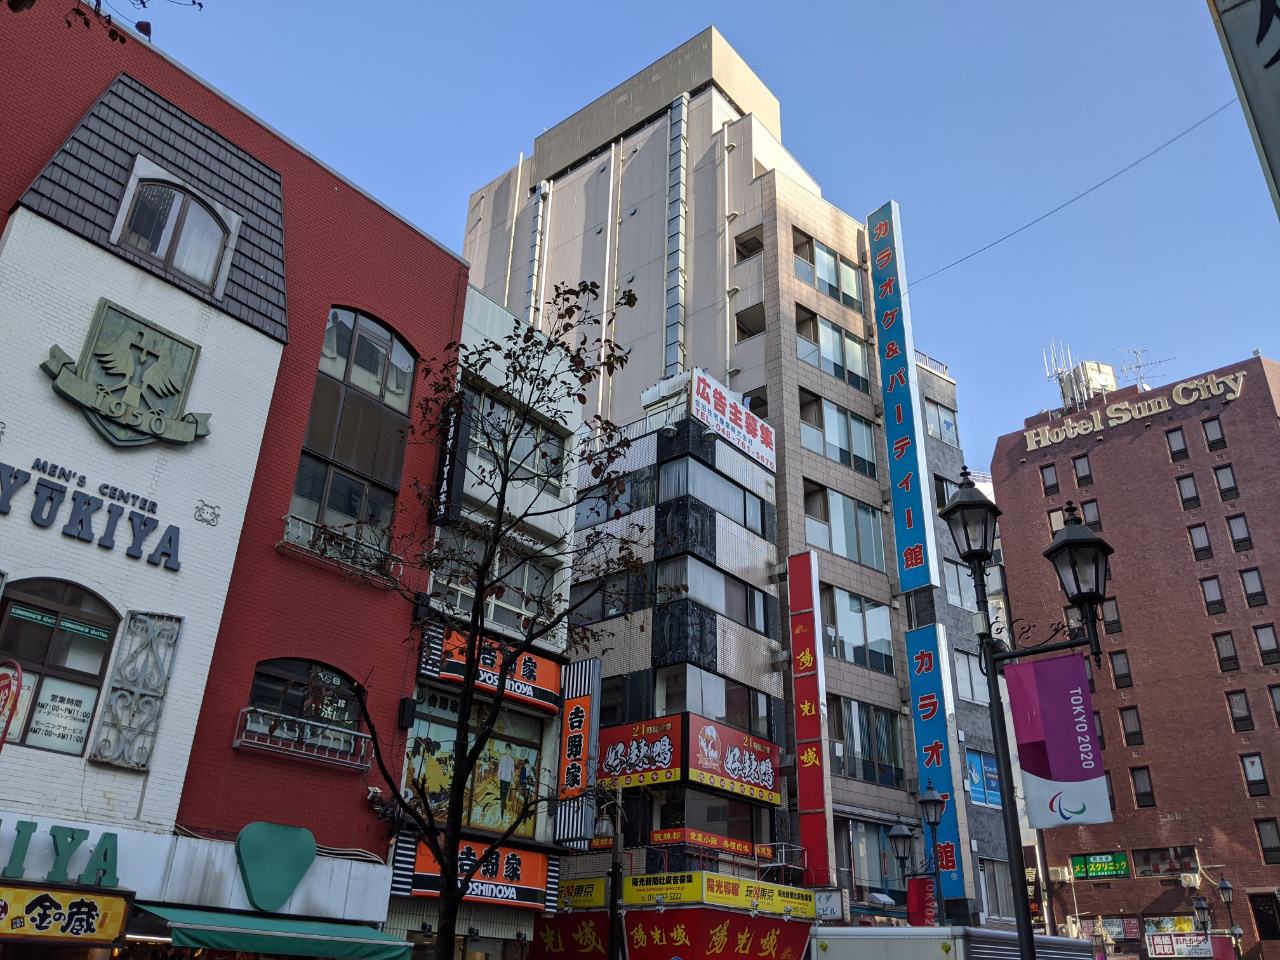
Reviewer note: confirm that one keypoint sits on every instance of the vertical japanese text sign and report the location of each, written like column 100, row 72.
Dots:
column 908, row 472
column 933, row 751
column 810, row 698
column 579, row 749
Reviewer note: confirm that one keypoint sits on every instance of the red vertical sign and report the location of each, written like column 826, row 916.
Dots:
column 922, row 905
column 809, row 697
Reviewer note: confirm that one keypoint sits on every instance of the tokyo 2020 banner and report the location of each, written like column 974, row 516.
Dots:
column 1062, row 773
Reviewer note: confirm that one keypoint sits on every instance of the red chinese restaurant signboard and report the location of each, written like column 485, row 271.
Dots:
column 699, row 932
column 729, row 759
column 700, row 838
column 641, row 754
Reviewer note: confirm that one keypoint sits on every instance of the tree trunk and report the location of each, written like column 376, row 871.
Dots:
column 446, row 925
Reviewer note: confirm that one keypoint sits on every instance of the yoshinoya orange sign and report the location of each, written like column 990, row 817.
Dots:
column 533, row 679
column 729, row 759
column 517, row 878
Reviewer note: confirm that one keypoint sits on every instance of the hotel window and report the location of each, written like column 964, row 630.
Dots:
column 1188, row 492
column 820, row 343
column 1097, row 729
column 528, row 583
column 519, row 445
column 1177, row 444
column 1268, row 840
column 802, row 245
column 1274, row 693
column 843, row 525
column 971, row 682
column 178, row 232
column 1131, row 724
column 1238, row 527
column 828, row 274
column 1226, row 478
column 850, row 284
column 960, row 588
column 1111, row 794
column 1143, row 795
column 1110, row 616
column 353, row 452
column 1165, row 861
column 1241, row 715
column 1212, row 591
column 997, row 892
column 943, row 491
column 1056, row 520
column 61, row 635
column 1120, row 674
column 1084, row 473
column 857, row 630
column 1254, row 594
column 941, row 422
column 1201, row 548
column 1213, row 435
column 837, row 434
column 1049, row 479
column 1089, row 513
column 1255, row 777
column 870, row 744
column 690, row 578
column 690, row 477
column 1267, row 648
column 1225, row 646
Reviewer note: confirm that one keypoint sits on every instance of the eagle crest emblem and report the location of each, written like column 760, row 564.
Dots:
column 131, row 379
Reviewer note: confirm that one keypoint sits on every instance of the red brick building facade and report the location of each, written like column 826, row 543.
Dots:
column 1182, row 481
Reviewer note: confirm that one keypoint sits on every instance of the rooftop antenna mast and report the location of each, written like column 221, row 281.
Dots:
column 1058, row 367
column 1134, row 371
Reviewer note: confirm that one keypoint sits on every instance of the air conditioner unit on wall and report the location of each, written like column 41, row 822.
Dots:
column 1060, row 874
column 1190, row 880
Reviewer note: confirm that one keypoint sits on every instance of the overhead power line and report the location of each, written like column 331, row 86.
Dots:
column 1079, row 196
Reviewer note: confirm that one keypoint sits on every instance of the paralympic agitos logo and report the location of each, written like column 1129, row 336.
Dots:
column 1056, row 805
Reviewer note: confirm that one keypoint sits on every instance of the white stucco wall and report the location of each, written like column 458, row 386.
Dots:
column 50, row 284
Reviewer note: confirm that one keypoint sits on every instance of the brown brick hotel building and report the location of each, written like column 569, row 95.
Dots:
column 1183, row 480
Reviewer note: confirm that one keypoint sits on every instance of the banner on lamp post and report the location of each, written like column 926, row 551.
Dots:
column 1062, row 775
column 922, row 905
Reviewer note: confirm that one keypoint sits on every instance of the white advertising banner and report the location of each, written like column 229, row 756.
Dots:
column 714, row 404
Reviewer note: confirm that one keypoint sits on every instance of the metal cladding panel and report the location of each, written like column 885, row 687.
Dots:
column 744, row 554
column 642, row 453
column 737, row 467
column 82, row 187
column 915, row 553
column 624, row 644
column 745, row 655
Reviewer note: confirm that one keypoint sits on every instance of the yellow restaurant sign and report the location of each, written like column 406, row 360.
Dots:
column 59, row 916
column 714, row 888
column 1120, row 413
column 581, row 894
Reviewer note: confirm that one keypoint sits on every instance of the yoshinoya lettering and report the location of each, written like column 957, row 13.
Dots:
column 86, row 518
column 1229, row 387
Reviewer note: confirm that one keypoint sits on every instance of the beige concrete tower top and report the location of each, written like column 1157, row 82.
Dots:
column 704, row 59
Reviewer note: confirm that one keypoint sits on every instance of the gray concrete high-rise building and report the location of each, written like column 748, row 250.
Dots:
column 675, row 185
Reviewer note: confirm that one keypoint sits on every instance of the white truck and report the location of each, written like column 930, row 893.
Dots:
column 935, row 943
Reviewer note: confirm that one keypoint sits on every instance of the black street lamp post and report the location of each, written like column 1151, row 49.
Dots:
column 612, row 830
column 1079, row 556
column 931, row 807
column 1227, row 892
column 1203, row 918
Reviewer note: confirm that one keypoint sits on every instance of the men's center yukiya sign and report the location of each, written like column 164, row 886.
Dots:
column 1229, row 387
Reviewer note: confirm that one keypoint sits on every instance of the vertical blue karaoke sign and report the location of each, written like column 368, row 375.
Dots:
column 933, row 751
column 915, row 552
column 912, row 521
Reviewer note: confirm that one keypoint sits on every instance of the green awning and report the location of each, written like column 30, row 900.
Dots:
column 221, row 930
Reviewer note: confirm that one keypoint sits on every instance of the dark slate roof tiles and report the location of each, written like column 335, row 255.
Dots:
column 83, row 185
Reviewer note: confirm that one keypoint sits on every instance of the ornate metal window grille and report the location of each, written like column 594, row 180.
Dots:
column 131, row 710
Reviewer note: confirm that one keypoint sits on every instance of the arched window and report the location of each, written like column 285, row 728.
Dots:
column 349, row 473
column 305, row 690
column 61, row 636
column 173, row 228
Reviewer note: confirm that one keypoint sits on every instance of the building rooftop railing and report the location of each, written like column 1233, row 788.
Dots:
column 936, row 365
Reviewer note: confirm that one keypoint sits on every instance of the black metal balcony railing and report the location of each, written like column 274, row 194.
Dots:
column 338, row 545
column 261, row 729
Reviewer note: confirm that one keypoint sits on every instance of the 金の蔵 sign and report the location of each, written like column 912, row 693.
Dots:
column 58, row 916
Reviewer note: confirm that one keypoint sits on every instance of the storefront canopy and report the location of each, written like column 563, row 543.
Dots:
column 219, row 930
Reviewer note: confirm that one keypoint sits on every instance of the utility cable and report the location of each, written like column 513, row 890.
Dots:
column 1079, row 196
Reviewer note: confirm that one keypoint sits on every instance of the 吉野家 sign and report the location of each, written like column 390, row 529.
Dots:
column 1099, row 866
column 533, row 680
column 517, row 878
column 714, row 405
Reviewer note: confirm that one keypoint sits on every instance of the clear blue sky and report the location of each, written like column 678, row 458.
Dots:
column 975, row 117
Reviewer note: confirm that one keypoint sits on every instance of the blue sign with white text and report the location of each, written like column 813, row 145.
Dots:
column 991, row 777
column 933, row 751
column 900, row 393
